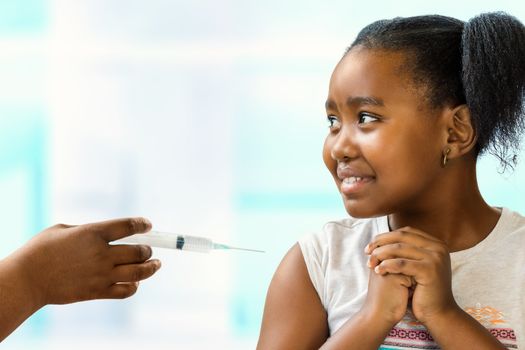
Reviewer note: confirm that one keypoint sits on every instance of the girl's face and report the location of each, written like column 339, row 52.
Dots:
column 383, row 148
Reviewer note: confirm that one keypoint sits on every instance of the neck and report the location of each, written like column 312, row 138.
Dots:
column 455, row 211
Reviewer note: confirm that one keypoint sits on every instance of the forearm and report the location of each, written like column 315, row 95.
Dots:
column 458, row 330
column 361, row 332
column 18, row 299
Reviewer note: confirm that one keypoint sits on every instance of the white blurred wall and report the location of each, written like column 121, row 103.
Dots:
column 207, row 118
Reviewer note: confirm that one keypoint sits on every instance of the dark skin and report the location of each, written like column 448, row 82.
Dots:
column 385, row 151
column 65, row 264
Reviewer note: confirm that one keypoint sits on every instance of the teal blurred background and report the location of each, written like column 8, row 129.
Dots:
column 205, row 116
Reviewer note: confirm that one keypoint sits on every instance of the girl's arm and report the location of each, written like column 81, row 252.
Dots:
column 458, row 330
column 294, row 317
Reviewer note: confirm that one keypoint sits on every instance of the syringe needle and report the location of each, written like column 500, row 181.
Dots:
column 248, row 250
column 224, row 246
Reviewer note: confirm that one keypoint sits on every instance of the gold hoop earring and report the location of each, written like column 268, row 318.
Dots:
column 445, row 157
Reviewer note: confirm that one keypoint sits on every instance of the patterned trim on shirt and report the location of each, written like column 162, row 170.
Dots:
column 403, row 338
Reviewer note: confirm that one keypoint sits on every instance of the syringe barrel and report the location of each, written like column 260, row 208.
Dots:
column 194, row 243
column 170, row 240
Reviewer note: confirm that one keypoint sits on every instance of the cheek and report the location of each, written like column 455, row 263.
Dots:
column 330, row 163
column 408, row 161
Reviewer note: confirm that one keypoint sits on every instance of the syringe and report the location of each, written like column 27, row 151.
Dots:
column 174, row 241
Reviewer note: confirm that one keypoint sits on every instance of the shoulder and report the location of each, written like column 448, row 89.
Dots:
column 349, row 226
column 338, row 245
column 513, row 224
column 516, row 219
column 342, row 234
column 293, row 313
column 506, row 241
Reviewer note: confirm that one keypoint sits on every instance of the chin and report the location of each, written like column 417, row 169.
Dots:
column 361, row 210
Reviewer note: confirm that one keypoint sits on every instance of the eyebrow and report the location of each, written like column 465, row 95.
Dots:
column 357, row 100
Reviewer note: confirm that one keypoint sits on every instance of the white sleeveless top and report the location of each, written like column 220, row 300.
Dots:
column 488, row 280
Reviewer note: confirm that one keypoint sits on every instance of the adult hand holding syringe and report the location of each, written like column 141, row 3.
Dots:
column 181, row 242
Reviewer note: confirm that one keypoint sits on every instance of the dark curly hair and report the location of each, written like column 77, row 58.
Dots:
column 479, row 63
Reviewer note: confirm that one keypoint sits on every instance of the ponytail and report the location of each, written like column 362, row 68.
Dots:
column 493, row 77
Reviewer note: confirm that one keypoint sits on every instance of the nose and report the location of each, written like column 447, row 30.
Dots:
column 344, row 146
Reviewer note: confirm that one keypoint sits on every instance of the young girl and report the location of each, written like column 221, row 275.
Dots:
column 423, row 262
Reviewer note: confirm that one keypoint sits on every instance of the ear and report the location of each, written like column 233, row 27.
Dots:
column 461, row 138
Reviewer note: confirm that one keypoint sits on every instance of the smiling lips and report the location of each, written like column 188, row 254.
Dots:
column 352, row 180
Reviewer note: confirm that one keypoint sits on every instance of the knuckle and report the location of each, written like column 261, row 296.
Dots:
column 137, row 275
column 398, row 246
column 402, row 279
column 142, row 272
column 402, row 232
column 436, row 256
column 59, row 226
column 440, row 253
column 444, row 249
column 92, row 230
column 401, row 263
column 150, row 270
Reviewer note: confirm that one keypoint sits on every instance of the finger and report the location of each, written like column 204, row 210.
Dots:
column 412, row 268
column 410, row 231
column 396, row 250
column 403, row 280
column 129, row 253
column 121, row 290
column 406, row 235
column 119, row 228
column 135, row 272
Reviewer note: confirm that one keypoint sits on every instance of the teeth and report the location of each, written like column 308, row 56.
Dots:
column 352, row 179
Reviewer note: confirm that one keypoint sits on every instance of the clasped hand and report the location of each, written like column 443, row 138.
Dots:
column 418, row 262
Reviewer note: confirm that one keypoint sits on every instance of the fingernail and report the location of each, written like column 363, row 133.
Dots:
column 367, row 248
column 157, row 264
column 147, row 224
column 146, row 251
column 376, row 269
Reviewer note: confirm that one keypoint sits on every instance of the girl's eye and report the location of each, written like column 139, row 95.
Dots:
column 333, row 122
column 367, row 118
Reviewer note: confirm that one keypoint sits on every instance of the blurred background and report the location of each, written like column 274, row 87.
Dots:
column 205, row 116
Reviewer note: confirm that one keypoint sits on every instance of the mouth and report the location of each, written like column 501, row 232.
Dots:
column 353, row 179
column 353, row 184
